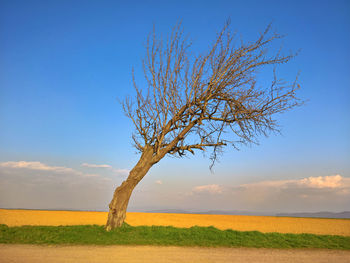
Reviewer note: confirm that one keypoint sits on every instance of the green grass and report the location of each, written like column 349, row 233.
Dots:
column 165, row 236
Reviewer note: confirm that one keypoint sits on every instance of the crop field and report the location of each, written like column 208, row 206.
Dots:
column 263, row 224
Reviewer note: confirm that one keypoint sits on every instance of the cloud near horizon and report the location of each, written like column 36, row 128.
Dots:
column 121, row 172
column 96, row 165
column 336, row 183
column 38, row 166
column 38, row 185
column 211, row 189
column 305, row 194
column 320, row 182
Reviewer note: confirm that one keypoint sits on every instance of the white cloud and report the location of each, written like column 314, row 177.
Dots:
column 119, row 172
column 92, row 175
column 34, row 180
column 158, row 182
column 333, row 181
column 40, row 185
column 211, row 189
column 122, row 172
column 39, row 167
column 310, row 193
column 96, row 165
column 45, row 189
column 304, row 194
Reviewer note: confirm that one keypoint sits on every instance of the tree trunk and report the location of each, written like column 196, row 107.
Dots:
column 119, row 203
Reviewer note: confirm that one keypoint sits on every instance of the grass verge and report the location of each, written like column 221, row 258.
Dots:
column 165, row 236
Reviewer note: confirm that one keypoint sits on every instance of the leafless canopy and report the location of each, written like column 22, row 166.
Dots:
column 209, row 100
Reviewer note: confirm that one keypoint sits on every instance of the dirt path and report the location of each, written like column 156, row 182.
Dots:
column 105, row 254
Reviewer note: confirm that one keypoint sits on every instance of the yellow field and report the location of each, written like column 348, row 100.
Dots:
column 242, row 223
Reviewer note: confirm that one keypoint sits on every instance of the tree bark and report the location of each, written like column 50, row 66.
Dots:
column 119, row 203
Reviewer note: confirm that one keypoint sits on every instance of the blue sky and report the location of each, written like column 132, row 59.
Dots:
column 63, row 64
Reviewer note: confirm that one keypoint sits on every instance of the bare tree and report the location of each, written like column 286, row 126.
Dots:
column 192, row 103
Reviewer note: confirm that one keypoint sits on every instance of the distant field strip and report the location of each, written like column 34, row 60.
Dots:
column 241, row 223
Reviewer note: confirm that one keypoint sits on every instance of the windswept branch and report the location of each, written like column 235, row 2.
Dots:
column 211, row 100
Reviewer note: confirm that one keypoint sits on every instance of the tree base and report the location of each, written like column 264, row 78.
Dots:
column 115, row 219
